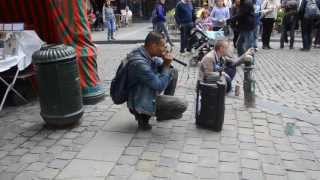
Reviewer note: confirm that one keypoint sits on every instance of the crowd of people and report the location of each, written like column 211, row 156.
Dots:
column 250, row 18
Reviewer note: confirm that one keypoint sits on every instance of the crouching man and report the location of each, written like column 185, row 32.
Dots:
column 150, row 74
column 222, row 60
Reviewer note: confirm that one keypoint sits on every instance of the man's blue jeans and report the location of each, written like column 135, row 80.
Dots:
column 245, row 41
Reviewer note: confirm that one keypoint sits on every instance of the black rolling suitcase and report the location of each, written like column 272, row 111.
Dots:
column 210, row 104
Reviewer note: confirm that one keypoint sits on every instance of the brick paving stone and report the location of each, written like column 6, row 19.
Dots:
column 147, row 166
column 39, row 150
column 128, row 160
column 288, row 156
column 190, row 149
column 248, row 146
column 187, row 168
column 48, row 173
column 251, row 174
column 229, row 176
column 153, row 147
column 271, row 159
column 266, row 150
column 58, row 164
column 206, row 173
column 7, row 176
column 18, row 152
column 189, row 158
column 276, row 177
column 232, row 167
column 193, row 141
column 249, row 154
column 67, row 155
column 137, row 175
column 151, row 156
column 181, row 176
column 122, row 170
column 177, row 145
column 163, row 172
column 134, row 151
column 247, row 138
column 30, row 158
column 264, row 143
column 16, row 168
column 139, row 142
column 272, row 169
column 250, row 164
column 27, row 175
column 229, row 157
column 170, row 153
column 37, row 166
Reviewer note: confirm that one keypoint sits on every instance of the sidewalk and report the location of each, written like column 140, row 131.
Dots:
column 136, row 33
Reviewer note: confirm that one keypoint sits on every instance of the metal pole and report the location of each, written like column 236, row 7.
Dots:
column 249, row 86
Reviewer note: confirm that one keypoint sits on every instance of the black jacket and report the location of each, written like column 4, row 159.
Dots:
column 245, row 17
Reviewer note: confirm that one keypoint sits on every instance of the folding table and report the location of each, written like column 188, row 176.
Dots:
column 6, row 64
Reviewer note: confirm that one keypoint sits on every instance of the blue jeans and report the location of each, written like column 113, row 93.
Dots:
column 245, row 41
column 110, row 24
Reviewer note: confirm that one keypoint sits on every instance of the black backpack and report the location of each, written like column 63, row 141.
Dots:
column 119, row 89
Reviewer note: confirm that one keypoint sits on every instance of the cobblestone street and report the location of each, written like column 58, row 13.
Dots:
column 106, row 144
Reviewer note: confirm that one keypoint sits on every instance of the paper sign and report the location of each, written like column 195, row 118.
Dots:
column 17, row 26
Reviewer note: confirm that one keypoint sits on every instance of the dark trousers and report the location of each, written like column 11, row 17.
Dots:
column 167, row 106
column 306, row 27
column 317, row 38
column 231, row 71
column 185, row 32
column 288, row 24
column 161, row 28
column 267, row 26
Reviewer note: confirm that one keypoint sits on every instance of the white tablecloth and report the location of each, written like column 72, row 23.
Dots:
column 11, row 61
column 29, row 42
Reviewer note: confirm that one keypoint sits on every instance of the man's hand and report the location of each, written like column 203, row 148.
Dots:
column 167, row 59
column 250, row 51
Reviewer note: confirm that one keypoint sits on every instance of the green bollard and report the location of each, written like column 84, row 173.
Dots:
column 249, row 85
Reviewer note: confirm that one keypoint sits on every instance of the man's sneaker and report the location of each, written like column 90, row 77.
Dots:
column 144, row 125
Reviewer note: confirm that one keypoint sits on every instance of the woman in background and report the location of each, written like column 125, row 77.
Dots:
column 109, row 19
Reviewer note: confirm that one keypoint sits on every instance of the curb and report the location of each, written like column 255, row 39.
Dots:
column 138, row 41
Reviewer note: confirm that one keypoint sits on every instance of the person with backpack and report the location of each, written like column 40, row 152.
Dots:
column 142, row 77
column 159, row 20
column 309, row 13
column 289, row 21
column 246, row 25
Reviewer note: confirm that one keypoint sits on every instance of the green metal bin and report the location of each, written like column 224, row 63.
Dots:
column 59, row 84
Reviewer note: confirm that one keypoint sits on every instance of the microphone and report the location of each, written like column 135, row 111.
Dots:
column 180, row 62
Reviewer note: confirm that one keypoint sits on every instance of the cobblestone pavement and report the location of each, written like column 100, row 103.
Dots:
column 106, row 145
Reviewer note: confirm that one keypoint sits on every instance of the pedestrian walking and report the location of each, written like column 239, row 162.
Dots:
column 185, row 18
column 246, row 23
column 109, row 19
column 149, row 74
column 269, row 14
column 219, row 14
column 309, row 13
column 234, row 24
column 289, row 21
column 160, row 20
column 317, row 35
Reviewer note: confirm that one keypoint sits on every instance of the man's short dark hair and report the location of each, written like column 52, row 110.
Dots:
column 153, row 37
